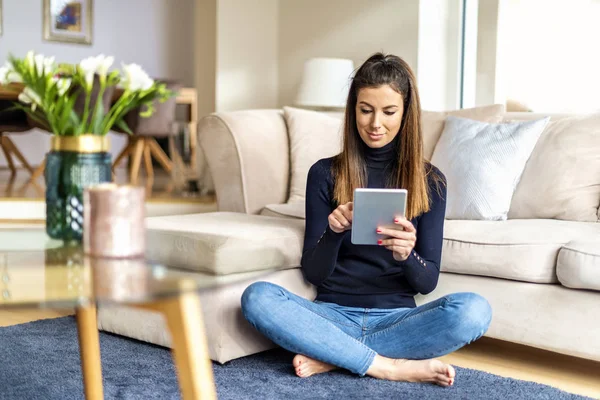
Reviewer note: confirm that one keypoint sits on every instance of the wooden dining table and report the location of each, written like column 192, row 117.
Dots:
column 186, row 96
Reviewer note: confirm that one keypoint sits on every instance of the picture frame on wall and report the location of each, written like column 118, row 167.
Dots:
column 68, row 21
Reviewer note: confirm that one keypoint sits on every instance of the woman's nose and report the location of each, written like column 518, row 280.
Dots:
column 376, row 121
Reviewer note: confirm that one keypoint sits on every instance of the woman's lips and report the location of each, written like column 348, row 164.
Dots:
column 375, row 136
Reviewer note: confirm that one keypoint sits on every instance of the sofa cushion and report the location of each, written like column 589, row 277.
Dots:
column 433, row 122
column 524, row 250
column 294, row 209
column 578, row 265
column 313, row 136
column 562, row 177
column 224, row 243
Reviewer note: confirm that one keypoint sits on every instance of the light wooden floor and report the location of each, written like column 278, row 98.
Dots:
column 163, row 186
column 493, row 356
column 570, row 374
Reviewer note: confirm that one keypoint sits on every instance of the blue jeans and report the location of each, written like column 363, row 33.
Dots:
column 351, row 337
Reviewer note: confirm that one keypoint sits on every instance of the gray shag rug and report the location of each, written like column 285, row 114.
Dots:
column 40, row 360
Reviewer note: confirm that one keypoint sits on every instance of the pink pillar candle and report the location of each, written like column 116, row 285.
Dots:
column 114, row 221
column 124, row 279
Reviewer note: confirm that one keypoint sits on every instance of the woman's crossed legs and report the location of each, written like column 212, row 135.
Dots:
column 396, row 344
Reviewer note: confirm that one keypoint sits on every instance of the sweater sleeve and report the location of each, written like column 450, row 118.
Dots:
column 321, row 244
column 422, row 267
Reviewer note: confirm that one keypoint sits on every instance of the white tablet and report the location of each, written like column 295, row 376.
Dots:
column 373, row 208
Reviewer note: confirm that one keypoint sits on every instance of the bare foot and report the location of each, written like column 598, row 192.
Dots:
column 306, row 366
column 412, row 371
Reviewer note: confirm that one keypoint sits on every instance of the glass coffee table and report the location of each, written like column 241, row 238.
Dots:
column 37, row 272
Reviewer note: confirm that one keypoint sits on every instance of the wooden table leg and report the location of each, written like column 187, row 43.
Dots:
column 8, row 143
column 136, row 161
column 89, row 347
column 9, row 160
column 129, row 147
column 190, row 350
column 39, row 170
column 193, row 145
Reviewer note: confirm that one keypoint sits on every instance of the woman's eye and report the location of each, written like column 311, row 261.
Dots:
column 362, row 110
column 390, row 112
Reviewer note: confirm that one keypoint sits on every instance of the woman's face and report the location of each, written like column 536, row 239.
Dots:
column 378, row 115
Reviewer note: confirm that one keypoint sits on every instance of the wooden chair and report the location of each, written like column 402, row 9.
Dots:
column 12, row 122
column 145, row 131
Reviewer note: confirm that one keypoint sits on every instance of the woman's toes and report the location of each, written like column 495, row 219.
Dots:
column 442, row 379
column 451, row 372
column 297, row 361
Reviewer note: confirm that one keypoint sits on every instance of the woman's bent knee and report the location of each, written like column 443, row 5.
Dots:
column 256, row 297
column 474, row 313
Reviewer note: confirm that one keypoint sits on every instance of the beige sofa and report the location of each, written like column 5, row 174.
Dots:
column 540, row 269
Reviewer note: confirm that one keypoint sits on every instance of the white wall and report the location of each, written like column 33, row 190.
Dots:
column 261, row 46
column 487, row 46
column 153, row 33
column 205, row 54
column 439, row 54
column 247, row 70
column 554, row 67
column 352, row 29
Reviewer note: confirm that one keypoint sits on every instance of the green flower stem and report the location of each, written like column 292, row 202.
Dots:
column 86, row 109
column 99, row 100
column 115, row 111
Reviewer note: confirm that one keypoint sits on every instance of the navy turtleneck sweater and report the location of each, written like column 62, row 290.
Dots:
column 368, row 276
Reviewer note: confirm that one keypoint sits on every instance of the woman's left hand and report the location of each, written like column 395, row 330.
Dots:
column 401, row 242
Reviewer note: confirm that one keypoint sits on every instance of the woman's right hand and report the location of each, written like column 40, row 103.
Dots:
column 340, row 220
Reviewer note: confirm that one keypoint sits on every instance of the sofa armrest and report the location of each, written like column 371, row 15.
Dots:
column 247, row 153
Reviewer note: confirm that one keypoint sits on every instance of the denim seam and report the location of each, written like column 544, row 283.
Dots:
column 326, row 317
column 375, row 334
column 363, row 328
column 445, row 351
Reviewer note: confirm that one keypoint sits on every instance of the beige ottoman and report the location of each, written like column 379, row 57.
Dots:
column 236, row 249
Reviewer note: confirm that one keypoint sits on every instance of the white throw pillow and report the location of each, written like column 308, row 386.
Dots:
column 483, row 163
column 313, row 136
column 433, row 122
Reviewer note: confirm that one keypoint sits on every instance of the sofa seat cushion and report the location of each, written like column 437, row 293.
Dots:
column 524, row 250
column 224, row 243
column 578, row 265
column 293, row 209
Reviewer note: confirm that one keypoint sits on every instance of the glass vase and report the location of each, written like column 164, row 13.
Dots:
column 73, row 163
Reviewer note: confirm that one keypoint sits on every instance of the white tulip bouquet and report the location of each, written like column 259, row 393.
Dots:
column 50, row 91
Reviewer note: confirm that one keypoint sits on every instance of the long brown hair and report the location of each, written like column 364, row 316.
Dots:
column 411, row 170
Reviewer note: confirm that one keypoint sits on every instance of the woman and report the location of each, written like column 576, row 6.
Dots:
column 364, row 318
